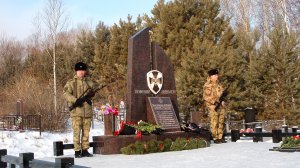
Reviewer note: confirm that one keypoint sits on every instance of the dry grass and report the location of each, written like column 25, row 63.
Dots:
column 37, row 98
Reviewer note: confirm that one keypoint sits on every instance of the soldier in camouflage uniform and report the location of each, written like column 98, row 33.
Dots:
column 82, row 115
column 212, row 91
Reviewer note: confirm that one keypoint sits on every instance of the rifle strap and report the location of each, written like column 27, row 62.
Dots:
column 75, row 88
column 89, row 85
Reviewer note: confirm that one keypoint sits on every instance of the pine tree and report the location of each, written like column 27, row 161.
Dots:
column 102, row 43
column 175, row 25
column 111, row 56
column 280, row 75
column 250, row 96
column 197, row 38
column 205, row 55
column 65, row 63
column 86, row 47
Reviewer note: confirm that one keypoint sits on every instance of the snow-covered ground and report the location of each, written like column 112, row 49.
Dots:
column 30, row 141
column 243, row 153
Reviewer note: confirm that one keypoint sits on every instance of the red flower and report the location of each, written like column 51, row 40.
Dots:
column 116, row 133
column 122, row 125
column 139, row 135
column 115, row 111
column 296, row 137
column 161, row 146
column 130, row 123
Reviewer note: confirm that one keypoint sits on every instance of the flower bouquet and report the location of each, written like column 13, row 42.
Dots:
column 125, row 129
column 111, row 110
column 291, row 142
column 141, row 128
column 147, row 128
column 110, row 114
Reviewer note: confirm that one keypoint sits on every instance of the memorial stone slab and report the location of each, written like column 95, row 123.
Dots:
column 160, row 111
column 144, row 56
column 138, row 66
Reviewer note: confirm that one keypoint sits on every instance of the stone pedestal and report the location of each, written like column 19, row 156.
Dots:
column 113, row 144
column 109, row 124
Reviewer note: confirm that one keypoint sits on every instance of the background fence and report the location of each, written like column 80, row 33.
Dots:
column 265, row 125
column 20, row 122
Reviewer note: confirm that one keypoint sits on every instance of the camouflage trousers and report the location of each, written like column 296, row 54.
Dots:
column 81, row 129
column 216, row 122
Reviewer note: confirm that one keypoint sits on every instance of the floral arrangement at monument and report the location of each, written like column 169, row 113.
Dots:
column 107, row 109
column 126, row 128
column 291, row 142
column 110, row 113
column 140, row 128
column 154, row 146
column 147, row 128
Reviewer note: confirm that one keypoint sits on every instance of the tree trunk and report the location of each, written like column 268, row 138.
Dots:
column 54, row 78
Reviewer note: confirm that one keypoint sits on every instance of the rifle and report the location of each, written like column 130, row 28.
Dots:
column 85, row 96
column 221, row 99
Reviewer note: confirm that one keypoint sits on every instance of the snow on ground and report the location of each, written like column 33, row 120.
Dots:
column 230, row 155
column 30, row 141
column 243, row 153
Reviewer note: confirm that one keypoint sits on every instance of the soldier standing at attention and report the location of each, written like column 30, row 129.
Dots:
column 82, row 114
column 212, row 91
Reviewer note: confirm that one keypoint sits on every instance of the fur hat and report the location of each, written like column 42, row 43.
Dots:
column 213, row 72
column 80, row 66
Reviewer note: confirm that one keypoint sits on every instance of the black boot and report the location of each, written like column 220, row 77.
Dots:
column 85, row 153
column 78, row 154
column 217, row 141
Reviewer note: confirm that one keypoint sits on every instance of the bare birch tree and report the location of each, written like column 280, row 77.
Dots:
column 293, row 12
column 264, row 14
column 243, row 19
column 55, row 20
column 241, row 12
column 272, row 12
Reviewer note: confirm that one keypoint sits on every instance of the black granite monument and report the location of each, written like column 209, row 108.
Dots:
column 148, row 66
column 151, row 95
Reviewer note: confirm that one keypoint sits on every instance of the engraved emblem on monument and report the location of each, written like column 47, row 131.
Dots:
column 154, row 81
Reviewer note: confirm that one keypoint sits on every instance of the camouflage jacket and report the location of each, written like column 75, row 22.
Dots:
column 211, row 92
column 71, row 95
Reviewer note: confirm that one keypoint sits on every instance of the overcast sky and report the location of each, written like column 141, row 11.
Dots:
column 16, row 16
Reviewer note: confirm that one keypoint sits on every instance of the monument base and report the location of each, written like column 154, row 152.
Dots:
column 113, row 144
